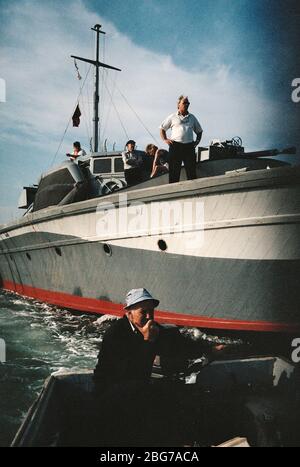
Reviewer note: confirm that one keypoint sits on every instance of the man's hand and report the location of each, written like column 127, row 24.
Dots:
column 218, row 349
column 163, row 136
column 198, row 139
column 150, row 331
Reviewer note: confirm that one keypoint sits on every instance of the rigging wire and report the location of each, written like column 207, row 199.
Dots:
column 89, row 92
column 135, row 113
column 101, row 110
column 101, row 114
column 110, row 107
column 86, row 112
column 89, row 119
column 116, row 110
column 86, row 118
column 101, row 106
column 69, row 121
column 137, row 116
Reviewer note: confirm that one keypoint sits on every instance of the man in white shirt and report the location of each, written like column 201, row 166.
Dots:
column 77, row 153
column 181, row 144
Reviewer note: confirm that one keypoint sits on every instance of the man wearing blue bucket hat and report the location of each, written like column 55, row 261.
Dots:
column 133, row 411
column 139, row 308
column 131, row 343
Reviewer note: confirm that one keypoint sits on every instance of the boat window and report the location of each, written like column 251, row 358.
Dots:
column 119, row 165
column 102, row 165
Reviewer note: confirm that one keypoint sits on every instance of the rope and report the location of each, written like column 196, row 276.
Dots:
column 110, row 107
column 132, row 109
column 111, row 99
column 85, row 112
column 116, row 110
column 118, row 115
column 101, row 110
column 66, row 129
column 137, row 116
column 89, row 119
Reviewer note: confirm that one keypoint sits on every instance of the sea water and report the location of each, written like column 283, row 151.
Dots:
column 39, row 339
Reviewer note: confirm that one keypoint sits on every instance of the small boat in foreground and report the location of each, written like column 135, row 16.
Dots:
column 255, row 398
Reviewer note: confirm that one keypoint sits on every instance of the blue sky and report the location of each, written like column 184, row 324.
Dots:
column 235, row 59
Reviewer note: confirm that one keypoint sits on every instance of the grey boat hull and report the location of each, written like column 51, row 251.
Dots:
column 235, row 266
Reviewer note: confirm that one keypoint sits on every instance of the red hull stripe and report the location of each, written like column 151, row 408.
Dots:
column 93, row 305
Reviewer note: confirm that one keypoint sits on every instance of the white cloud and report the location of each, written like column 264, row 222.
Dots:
column 41, row 87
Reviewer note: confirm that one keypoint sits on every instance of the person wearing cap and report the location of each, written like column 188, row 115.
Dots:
column 181, row 143
column 133, row 411
column 123, row 372
column 130, row 345
column 132, row 342
column 132, row 161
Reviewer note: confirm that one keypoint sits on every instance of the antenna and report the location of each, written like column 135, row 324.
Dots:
column 97, row 64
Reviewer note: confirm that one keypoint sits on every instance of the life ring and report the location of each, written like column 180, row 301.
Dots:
column 112, row 185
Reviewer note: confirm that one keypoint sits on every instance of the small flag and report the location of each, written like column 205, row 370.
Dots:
column 76, row 116
column 77, row 69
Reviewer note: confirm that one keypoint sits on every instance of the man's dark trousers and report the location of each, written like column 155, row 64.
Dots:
column 178, row 153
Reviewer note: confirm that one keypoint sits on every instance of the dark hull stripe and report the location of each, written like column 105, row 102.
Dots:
column 92, row 305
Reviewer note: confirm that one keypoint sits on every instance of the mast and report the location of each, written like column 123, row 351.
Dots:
column 97, row 64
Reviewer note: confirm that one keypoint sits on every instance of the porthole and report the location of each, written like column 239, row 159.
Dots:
column 162, row 245
column 107, row 249
column 28, row 256
column 58, row 251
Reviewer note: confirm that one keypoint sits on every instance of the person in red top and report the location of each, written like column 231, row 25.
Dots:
column 77, row 153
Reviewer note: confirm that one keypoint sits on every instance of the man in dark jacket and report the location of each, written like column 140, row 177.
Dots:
column 123, row 371
column 131, row 343
column 133, row 162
